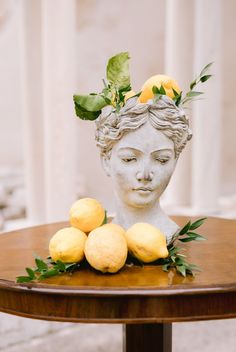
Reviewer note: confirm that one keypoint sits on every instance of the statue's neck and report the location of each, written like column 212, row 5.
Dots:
column 127, row 216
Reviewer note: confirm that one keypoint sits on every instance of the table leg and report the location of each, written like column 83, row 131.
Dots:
column 147, row 338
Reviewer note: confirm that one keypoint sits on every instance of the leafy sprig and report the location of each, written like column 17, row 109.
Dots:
column 190, row 95
column 201, row 78
column 46, row 269
column 117, row 85
column 176, row 258
column 88, row 107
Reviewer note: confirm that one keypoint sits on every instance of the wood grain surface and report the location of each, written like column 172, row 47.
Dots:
column 135, row 294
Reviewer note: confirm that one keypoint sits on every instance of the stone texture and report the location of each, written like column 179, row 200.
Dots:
column 20, row 334
column 65, row 337
column 205, row 336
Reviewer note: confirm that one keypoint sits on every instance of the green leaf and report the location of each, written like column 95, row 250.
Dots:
column 186, row 239
column 197, row 223
column 185, row 229
column 178, row 99
column 107, row 95
column 155, row 90
column 118, row 70
column 105, row 218
column 206, row 68
column 86, row 115
column 125, row 90
column 49, row 273
column 193, row 84
column 41, row 265
column 91, row 102
column 60, row 266
column 180, row 261
column 205, row 78
column 166, row 267
column 136, row 95
column 181, row 269
column 31, row 273
column 196, row 236
column 162, row 90
column 193, row 94
column 71, row 266
column 174, row 250
column 122, row 92
column 20, row 279
column 157, row 97
column 176, row 94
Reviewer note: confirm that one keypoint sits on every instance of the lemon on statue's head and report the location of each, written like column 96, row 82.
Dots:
column 167, row 82
column 146, row 242
column 86, row 214
column 67, row 245
column 106, row 248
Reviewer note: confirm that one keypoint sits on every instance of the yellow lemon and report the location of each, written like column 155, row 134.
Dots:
column 129, row 94
column 86, row 214
column 167, row 82
column 146, row 242
column 106, row 248
column 67, row 245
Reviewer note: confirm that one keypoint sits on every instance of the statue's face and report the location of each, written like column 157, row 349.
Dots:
column 141, row 165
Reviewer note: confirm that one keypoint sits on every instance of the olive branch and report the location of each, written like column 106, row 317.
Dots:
column 46, row 269
column 191, row 94
column 176, row 258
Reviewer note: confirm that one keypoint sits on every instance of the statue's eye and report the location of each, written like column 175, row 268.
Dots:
column 129, row 159
column 163, row 161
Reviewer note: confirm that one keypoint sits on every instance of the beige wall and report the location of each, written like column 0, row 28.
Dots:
column 10, row 103
column 229, row 101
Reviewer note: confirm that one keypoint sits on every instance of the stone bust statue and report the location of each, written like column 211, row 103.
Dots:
column 140, row 147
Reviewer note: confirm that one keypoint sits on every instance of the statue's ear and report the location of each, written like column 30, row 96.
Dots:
column 106, row 164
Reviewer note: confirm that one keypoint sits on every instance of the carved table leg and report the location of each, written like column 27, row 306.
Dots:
column 147, row 338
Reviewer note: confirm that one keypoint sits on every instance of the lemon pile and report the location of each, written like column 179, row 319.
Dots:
column 104, row 245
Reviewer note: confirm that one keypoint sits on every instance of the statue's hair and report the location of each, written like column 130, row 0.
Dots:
column 163, row 115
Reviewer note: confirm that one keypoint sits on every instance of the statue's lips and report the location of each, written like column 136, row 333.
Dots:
column 143, row 189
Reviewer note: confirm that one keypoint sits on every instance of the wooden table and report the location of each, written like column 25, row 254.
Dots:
column 145, row 299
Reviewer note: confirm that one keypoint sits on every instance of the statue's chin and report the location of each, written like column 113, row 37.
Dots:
column 140, row 205
column 141, row 201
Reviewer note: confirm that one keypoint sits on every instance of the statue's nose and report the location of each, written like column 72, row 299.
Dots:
column 145, row 174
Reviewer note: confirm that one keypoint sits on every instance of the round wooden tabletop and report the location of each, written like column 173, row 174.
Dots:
column 134, row 295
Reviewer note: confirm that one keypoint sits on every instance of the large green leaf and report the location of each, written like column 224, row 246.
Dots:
column 91, row 102
column 86, row 115
column 118, row 70
column 88, row 107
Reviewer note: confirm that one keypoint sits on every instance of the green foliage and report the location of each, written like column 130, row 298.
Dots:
column 85, row 114
column 176, row 259
column 91, row 102
column 177, row 97
column 46, row 269
column 88, row 107
column 201, row 78
column 117, row 84
column 118, row 71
